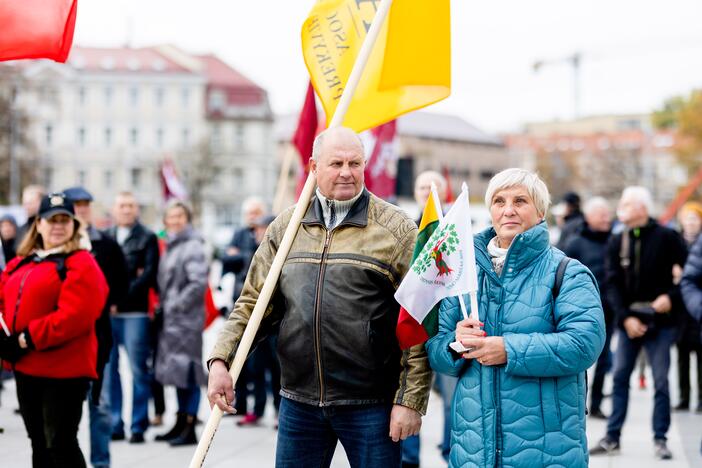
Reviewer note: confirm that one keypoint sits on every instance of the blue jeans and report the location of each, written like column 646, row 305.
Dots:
column 100, row 428
column 410, row 450
column 657, row 343
column 132, row 332
column 308, row 434
column 446, row 385
column 189, row 397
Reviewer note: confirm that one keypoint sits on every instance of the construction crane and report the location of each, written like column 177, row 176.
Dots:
column 574, row 61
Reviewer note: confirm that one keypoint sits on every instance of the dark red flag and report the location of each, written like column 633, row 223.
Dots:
column 449, row 193
column 304, row 135
column 381, row 169
column 31, row 29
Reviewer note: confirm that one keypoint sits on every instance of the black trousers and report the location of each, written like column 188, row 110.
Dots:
column 51, row 410
column 684, row 351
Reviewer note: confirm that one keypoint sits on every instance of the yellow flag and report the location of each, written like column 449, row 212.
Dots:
column 409, row 67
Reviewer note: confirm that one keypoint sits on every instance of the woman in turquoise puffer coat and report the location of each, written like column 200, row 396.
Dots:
column 520, row 399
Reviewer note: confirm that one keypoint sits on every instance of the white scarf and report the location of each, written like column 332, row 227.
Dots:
column 498, row 255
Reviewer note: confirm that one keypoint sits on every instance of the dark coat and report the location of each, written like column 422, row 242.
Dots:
column 691, row 284
column 182, row 279
column 574, row 223
column 653, row 250
column 244, row 239
column 110, row 259
column 590, row 248
column 141, row 254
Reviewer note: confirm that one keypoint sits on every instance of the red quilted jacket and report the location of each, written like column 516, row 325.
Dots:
column 59, row 315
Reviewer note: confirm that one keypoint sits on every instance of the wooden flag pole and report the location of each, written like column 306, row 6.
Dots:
column 290, row 233
column 283, row 177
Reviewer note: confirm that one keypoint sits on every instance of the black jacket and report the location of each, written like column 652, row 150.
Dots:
column 110, row 259
column 244, row 239
column 691, row 284
column 653, row 250
column 574, row 223
column 140, row 250
column 590, row 248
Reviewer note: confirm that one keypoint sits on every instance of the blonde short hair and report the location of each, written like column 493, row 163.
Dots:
column 514, row 177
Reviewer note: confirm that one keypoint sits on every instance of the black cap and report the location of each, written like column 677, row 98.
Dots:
column 572, row 198
column 78, row 194
column 9, row 218
column 55, row 203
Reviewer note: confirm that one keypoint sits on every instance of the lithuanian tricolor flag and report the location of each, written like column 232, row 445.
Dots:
column 409, row 331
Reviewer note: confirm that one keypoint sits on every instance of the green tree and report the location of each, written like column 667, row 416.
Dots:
column 683, row 114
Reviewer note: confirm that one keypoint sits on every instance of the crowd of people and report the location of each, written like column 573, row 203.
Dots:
column 73, row 296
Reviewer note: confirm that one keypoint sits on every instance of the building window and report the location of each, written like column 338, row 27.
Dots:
column 48, row 177
column 159, row 96
column 185, row 97
column 225, row 215
column 217, row 100
column 80, row 179
column 108, row 136
column 134, row 96
column 134, row 136
column 81, row 95
column 159, row 137
column 135, row 177
column 238, row 176
column 216, row 138
column 186, row 137
column 239, row 137
column 108, row 95
column 49, row 134
column 81, row 136
column 108, row 179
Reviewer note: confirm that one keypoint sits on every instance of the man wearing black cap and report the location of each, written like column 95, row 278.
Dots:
column 111, row 261
column 574, row 219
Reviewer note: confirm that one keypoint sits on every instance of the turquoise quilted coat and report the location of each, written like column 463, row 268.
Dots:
column 529, row 412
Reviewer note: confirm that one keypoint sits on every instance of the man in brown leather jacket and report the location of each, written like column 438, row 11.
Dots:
column 343, row 375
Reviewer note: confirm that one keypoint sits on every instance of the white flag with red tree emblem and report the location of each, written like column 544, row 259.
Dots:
column 446, row 265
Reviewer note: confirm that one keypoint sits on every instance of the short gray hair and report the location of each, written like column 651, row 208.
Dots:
column 319, row 141
column 514, row 177
column 594, row 203
column 641, row 194
column 251, row 202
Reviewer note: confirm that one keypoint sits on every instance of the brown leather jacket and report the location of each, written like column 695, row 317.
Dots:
column 336, row 340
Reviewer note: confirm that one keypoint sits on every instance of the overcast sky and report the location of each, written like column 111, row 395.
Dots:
column 635, row 52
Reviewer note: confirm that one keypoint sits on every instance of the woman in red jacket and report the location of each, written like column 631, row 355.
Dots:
column 50, row 296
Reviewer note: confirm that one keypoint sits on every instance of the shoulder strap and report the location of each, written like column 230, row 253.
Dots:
column 560, row 272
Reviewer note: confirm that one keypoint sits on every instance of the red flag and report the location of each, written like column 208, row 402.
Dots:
column 381, row 169
column 31, row 29
column 449, row 193
column 304, row 135
column 211, row 312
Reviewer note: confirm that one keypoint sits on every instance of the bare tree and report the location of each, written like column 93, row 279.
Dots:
column 18, row 162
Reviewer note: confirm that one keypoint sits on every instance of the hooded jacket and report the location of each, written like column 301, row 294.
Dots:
column 59, row 315
column 531, row 410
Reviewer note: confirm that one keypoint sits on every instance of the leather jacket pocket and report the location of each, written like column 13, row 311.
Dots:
column 550, row 404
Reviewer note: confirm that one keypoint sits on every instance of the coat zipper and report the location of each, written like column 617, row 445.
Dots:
column 317, row 318
column 498, row 406
column 17, row 304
